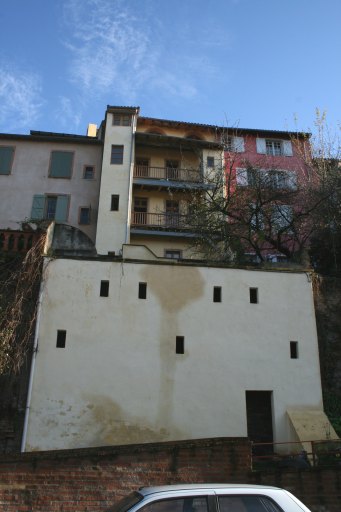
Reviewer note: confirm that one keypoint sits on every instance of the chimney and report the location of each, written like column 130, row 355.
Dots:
column 92, row 130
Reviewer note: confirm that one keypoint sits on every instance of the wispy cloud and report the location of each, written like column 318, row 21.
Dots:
column 108, row 48
column 20, row 99
column 114, row 51
column 67, row 114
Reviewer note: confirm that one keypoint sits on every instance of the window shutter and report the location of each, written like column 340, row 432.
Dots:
column 287, row 148
column 238, row 144
column 61, row 164
column 62, row 208
column 242, row 177
column 6, row 156
column 37, row 212
column 261, row 146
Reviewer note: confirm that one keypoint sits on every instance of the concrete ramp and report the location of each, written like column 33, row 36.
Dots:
column 311, row 425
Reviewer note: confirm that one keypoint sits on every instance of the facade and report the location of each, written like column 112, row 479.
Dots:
column 131, row 180
column 144, row 350
column 136, row 341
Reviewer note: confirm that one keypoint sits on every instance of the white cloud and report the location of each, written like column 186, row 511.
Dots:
column 20, row 99
column 113, row 51
column 67, row 114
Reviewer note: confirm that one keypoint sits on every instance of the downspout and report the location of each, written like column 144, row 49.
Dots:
column 34, row 355
column 130, row 187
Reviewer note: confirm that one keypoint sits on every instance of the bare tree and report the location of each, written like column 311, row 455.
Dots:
column 261, row 213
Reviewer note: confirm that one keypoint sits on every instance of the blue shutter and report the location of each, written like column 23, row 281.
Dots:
column 37, row 212
column 61, row 164
column 62, row 209
column 6, row 157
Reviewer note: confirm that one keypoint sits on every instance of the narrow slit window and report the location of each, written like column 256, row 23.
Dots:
column 254, row 295
column 216, row 293
column 142, row 290
column 180, row 345
column 115, row 201
column 104, row 291
column 61, row 339
column 294, row 349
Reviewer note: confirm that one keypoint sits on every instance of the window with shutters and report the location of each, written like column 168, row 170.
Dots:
column 50, row 207
column 274, row 147
column 61, row 163
column 6, row 159
column 273, row 178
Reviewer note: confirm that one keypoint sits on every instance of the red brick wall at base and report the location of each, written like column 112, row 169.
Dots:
column 93, row 479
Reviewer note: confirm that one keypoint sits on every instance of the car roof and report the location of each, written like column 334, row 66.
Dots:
column 145, row 491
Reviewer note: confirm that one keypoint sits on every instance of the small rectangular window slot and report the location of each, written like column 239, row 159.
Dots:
column 104, row 291
column 115, row 201
column 294, row 349
column 142, row 290
column 253, row 295
column 216, row 293
column 61, row 339
column 180, row 345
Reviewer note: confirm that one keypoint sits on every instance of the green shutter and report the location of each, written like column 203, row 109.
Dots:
column 61, row 164
column 38, row 205
column 6, row 157
column 62, row 208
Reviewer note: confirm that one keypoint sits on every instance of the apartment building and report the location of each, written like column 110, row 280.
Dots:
column 131, row 180
column 140, row 341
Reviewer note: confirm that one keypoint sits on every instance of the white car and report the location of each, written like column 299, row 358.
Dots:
column 210, row 498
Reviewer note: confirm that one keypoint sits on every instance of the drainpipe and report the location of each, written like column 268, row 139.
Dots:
column 130, row 188
column 34, row 355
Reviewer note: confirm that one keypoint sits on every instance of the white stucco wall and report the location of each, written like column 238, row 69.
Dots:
column 113, row 227
column 118, row 380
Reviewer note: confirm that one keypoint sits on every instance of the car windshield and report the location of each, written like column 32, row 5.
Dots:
column 126, row 503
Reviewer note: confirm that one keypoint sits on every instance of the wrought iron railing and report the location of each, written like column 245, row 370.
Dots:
column 293, row 455
column 167, row 173
column 166, row 220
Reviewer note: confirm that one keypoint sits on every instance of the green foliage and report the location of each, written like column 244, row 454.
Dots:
column 332, row 407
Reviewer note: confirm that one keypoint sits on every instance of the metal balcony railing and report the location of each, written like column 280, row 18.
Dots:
column 167, row 221
column 167, row 173
column 292, row 455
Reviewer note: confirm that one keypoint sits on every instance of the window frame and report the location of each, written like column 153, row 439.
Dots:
column 115, row 203
column 173, row 251
column 123, row 119
column 93, row 172
column 117, row 158
column 88, row 208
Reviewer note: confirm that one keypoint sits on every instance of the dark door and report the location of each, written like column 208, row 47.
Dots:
column 259, row 420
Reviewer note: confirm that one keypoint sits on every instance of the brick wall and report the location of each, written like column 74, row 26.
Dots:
column 93, row 479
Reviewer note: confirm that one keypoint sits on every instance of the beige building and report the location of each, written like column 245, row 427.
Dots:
column 135, row 341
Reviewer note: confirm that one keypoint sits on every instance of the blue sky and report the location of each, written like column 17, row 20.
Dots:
column 247, row 63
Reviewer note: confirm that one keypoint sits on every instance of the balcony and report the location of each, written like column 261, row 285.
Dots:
column 167, row 174
column 160, row 222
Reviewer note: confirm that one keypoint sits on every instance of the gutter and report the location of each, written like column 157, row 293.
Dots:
column 130, row 183
column 34, row 355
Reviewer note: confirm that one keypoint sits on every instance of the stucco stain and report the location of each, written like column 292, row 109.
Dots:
column 175, row 288
column 110, row 424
